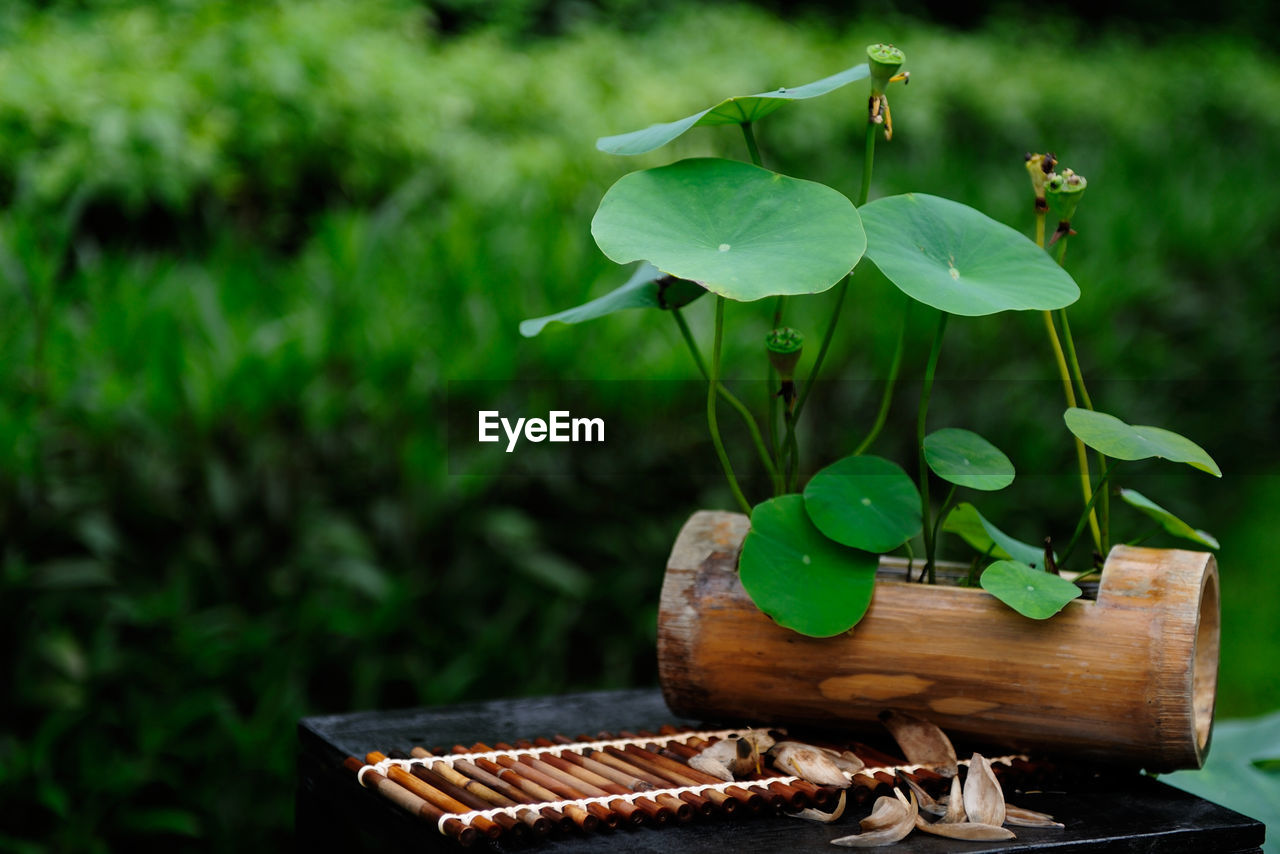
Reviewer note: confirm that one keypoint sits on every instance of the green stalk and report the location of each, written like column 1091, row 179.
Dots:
column 713, row 387
column 731, row 399
column 926, row 391
column 868, row 161
column 1060, row 253
column 779, row 486
column 793, row 453
column 887, row 398
column 752, row 149
column 1068, row 391
column 841, row 289
column 1098, row 491
column 942, row 513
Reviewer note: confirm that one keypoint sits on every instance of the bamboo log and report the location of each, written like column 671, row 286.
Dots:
column 1130, row 678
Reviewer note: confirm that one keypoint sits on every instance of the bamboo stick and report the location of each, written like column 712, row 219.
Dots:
column 407, row 800
column 537, row 824
column 509, row 824
column 680, row 808
column 628, row 811
column 434, row 796
column 580, row 817
column 516, row 794
column 656, row 812
column 557, row 780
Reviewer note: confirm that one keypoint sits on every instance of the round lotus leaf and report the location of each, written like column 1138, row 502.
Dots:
column 950, row 256
column 864, row 502
column 1121, row 441
column 801, row 579
column 738, row 230
column 1031, row 592
column 964, row 458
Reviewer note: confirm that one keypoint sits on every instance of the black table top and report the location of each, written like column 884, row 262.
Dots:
column 1110, row 813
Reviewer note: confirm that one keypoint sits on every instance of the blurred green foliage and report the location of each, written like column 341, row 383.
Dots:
column 245, row 249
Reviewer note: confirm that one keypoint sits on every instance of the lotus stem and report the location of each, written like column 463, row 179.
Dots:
column 926, row 391
column 713, row 386
column 731, row 399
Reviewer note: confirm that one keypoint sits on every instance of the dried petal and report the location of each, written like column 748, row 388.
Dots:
column 886, row 813
column 983, row 797
column 711, row 765
column 1023, row 817
column 807, row 763
column 921, row 741
column 737, row 755
column 887, row 835
column 847, row 760
column 955, row 804
column 819, row 815
column 926, row 801
column 966, row 830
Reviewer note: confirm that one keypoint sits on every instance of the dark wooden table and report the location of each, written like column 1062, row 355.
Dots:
column 1116, row 813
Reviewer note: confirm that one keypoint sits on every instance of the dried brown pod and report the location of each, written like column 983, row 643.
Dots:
column 808, row 763
column 922, row 742
column 905, row 820
column 1022, row 817
column 983, row 797
column 819, row 815
column 955, row 804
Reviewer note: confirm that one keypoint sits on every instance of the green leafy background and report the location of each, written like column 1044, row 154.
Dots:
column 249, row 251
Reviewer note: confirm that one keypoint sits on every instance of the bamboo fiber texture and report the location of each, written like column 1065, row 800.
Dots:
column 1128, row 679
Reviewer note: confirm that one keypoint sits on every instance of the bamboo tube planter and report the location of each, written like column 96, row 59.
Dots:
column 1129, row 678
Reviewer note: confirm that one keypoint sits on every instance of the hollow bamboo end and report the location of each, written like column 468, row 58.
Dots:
column 1204, row 681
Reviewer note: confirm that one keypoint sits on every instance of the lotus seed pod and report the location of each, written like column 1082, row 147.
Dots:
column 784, row 346
column 1065, row 190
column 885, row 60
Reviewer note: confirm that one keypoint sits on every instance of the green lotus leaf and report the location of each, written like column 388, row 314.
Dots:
column 1031, row 592
column 735, row 110
column 1167, row 520
column 864, row 502
column 1236, row 771
column 964, row 458
column 801, row 579
column 950, row 256
column 965, row 521
column 1122, row 441
column 738, row 230
column 648, row 287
